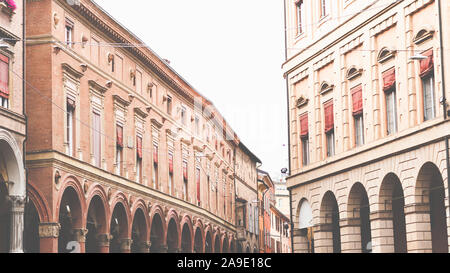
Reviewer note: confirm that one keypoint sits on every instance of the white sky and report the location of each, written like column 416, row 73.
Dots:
column 231, row 52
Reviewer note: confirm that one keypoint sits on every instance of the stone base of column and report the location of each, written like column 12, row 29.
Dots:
column 144, row 247
column 125, row 245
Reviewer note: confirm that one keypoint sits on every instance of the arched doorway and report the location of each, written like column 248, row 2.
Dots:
column 5, row 220
column 156, row 234
column 247, row 250
column 139, row 232
column 172, row 236
column 70, row 218
column 208, row 243
column 393, row 201
column 329, row 213
column 95, row 224
column 31, row 238
column 186, row 239
column 225, row 245
column 118, row 227
column 359, row 213
column 430, row 185
column 305, row 225
column 217, row 244
column 198, row 241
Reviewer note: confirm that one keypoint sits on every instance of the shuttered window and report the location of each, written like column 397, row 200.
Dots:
column 4, row 80
column 357, row 100
column 97, row 138
column 329, row 116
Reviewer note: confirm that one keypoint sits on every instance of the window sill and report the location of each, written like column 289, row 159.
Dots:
column 6, row 10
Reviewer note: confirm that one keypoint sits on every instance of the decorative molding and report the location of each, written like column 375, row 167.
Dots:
column 383, row 26
column 324, row 61
column 385, row 55
column 358, row 41
column 94, row 85
column 416, row 6
column 423, row 35
column 72, row 71
column 353, row 73
column 302, row 101
column 325, row 88
column 139, row 112
column 300, row 76
column 156, row 123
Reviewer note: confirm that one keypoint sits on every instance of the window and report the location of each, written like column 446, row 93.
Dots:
column 4, row 81
column 70, row 110
column 96, row 138
column 324, row 8
column 170, row 173
column 69, row 32
column 197, row 179
column 183, row 115
column 358, row 115
column 208, row 181
column 138, row 159
column 427, row 75
column 155, row 168
column 299, row 9
column 391, row 100
column 119, row 149
column 304, row 137
column 197, row 126
column 169, row 105
column 329, row 128
column 185, row 181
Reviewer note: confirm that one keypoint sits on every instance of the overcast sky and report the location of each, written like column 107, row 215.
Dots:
column 231, row 52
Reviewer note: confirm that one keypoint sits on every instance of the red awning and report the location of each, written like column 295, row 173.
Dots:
column 4, row 76
column 304, row 131
column 357, row 100
column 139, row 147
column 170, row 163
column 155, row 154
column 119, row 132
column 329, row 116
column 427, row 66
column 389, row 79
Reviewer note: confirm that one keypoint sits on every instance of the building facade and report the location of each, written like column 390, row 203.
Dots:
column 282, row 196
column 265, row 200
column 123, row 154
column 368, row 125
column 247, row 209
column 12, row 127
column 279, row 231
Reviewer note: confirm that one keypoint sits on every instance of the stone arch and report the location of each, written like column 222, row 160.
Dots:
column 216, row 242
column 391, row 216
column 157, row 230
column 208, row 239
column 329, row 228
column 431, row 213
column 39, row 201
column 11, row 160
column 97, row 224
column 358, row 219
column 173, row 232
column 304, row 223
column 187, row 234
column 198, row 240
column 225, row 243
column 422, row 35
column 119, row 225
column 69, row 212
column 140, row 230
column 233, row 247
column 247, row 249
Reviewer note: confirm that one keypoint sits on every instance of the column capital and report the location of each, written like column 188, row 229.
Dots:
column 164, row 248
column 125, row 244
column 103, row 239
column 17, row 202
column 144, row 247
column 49, row 230
column 79, row 234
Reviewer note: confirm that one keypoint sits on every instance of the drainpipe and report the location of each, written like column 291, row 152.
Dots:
column 444, row 100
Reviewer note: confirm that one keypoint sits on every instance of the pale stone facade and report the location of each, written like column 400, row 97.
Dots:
column 380, row 186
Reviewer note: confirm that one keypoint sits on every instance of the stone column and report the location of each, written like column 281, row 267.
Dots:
column 79, row 235
column 16, row 231
column 49, row 233
column 382, row 232
column 164, row 249
column 418, row 228
column 103, row 242
column 300, row 241
column 144, row 247
column 125, row 245
column 351, row 235
column 323, row 238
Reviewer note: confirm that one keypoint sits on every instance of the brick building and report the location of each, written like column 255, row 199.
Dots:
column 266, row 198
column 368, row 125
column 246, row 200
column 12, row 127
column 279, row 231
column 123, row 154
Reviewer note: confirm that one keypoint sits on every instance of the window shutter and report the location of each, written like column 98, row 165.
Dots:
column 119, row 131
column 4, row 76
column 185, row 173
column 357, row 100
column 389, row 79
column 304, row 126
column 171, row 163
column 155, row 154
column 139, row 147
column 427, row 66
column 329, row 116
